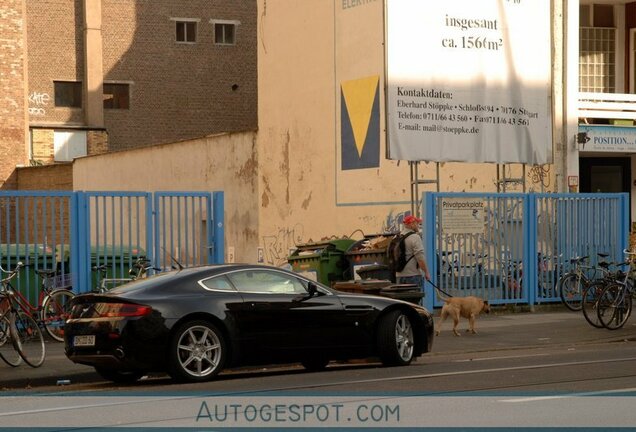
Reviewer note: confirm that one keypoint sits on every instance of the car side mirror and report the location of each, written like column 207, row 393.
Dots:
column 312, row 289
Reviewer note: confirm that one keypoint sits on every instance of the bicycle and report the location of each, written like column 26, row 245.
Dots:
column 547, row 268
column 513, row 276
column 452, row 268
column 19, row 326
column 614, row 306
column 139, row 270
column 52, row 307
column 8, row 353
column 573, row 283
column 55, row 303
column 593, row 291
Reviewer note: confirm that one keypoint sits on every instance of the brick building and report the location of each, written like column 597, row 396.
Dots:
column 13, row 120
column 95, row 76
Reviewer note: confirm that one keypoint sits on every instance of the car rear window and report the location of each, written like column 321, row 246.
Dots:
column 218, row 283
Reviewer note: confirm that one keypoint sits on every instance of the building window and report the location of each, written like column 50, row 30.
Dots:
column 224, row 32
column 116, row 96
column 68, row 94
column 68, row 145
column 597, row 49
column 185, row 29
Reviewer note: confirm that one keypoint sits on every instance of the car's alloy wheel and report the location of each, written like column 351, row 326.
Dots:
column 197, row 351
column 396, row 340
column 119, row 377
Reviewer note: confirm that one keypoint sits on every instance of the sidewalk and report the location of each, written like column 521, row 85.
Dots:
column 495, row 331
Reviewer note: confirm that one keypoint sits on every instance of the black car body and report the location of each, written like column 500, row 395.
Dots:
column 194, row 322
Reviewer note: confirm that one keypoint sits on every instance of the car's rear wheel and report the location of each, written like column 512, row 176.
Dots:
column 119, row 377
column 396, row 339
column 197, row 351
column 315, row 364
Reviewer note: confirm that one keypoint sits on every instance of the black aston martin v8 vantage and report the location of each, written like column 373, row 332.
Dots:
column 194, row 322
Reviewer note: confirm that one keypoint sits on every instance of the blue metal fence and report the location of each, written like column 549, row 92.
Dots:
column 35, row 229
column 77, row 231
column 524, row 245
column 197, row 242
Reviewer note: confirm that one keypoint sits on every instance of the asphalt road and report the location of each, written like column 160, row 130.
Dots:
column 496, row 332
column 524, row 369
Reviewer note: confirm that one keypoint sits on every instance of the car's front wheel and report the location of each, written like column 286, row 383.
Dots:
column 197, row 351
column 396, row 340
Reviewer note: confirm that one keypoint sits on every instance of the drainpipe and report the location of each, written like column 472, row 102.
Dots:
column 93, row 65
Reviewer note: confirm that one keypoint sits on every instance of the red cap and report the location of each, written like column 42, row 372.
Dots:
column 411, row 219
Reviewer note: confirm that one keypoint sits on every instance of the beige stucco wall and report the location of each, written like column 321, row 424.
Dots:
column 285, row 184
column 224, row 162
column 307, row 50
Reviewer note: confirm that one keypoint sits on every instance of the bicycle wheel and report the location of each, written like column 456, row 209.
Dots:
column 55, row 311
column 589, row 303
column 570, row 290
column 28, row 340
column 614, row 306
column 7, row 353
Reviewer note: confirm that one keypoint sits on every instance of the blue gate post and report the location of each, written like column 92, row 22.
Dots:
column 429, row 233
column 81, row 259
column 624, row 226
column 75, row 239
column 218, row 240
column 530, row 240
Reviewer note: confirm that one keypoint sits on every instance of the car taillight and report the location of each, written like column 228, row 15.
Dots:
column 122, row 310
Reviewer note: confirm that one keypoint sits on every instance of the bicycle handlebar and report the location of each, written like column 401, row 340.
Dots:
column 11, row 273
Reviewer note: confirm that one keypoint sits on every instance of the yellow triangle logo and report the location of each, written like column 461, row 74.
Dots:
column 359, row 96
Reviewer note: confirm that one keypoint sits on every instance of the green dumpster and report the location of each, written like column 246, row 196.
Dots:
column 38, row 256
column 323, row 262
column 367, row 258
column 118, row 259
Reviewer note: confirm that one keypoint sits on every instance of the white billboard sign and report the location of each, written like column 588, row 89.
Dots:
column 469, row 80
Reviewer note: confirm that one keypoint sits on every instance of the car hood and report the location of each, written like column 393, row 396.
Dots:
column 379, row 302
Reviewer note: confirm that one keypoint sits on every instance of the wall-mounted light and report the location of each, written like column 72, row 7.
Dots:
column 582, row 138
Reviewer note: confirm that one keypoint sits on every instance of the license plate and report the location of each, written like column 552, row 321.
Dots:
column 84, row 340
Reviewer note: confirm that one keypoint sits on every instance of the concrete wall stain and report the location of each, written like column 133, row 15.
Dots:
column 266, row 192
column 306, row 201
column 284, row 167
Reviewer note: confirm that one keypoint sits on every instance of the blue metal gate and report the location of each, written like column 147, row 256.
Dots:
column 188, row 228
column 35, row 228
column 116, row 230
column 76, row 232
column 522, row 243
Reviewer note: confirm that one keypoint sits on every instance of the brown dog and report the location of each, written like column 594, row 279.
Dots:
column 466, row 307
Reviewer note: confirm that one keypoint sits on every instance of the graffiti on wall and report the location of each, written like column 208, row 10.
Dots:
column 393, row 222
column 38, row 102
column 276, row 247
column 540, row 175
